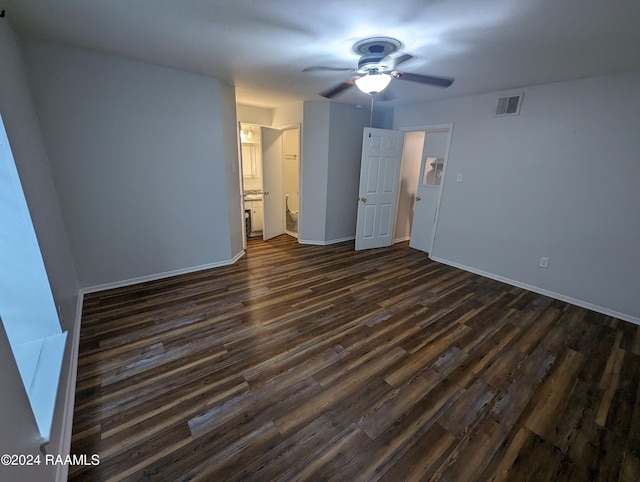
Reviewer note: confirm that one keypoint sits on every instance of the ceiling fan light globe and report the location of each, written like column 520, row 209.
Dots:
column 373, row 83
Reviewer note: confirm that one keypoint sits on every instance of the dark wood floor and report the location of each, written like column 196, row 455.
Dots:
column 322, row 363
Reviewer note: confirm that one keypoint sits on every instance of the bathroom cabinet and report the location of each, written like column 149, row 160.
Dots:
column 257, row 223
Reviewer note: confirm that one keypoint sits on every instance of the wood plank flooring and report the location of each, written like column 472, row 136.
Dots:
column 322, row 363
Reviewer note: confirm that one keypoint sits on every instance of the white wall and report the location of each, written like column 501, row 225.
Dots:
column 288, row 114
column 19, row 430
column 279, row 116
column 23, row 130
column 252, row 114
column 346, row 126
column 560, row 180
column 291, row 142
column 142, row 159
column 26, row 302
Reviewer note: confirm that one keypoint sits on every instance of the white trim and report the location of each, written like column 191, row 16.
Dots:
column 66, row 430
column 400, row 240
column 288, row 127
column 325, row 243
column 428, row 127
column 542, row 291
column 166, row 274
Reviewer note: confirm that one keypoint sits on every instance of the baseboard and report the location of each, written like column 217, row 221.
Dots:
column 326, row 243
column 70, row 394
column 158, row 276
column 542, row 291
column 400, row 240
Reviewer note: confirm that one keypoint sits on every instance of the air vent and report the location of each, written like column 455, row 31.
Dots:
column 508, row 105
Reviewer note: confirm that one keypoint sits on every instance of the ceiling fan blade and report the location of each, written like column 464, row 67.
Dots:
column 316, row 68
column 423, row 79
column 332, row 92
column 401, row 59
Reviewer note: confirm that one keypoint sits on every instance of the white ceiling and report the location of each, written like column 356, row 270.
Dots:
column 261, row 46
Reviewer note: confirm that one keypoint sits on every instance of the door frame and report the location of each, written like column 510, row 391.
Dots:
column 241, row 182
column 240, row 173
column 426, row 128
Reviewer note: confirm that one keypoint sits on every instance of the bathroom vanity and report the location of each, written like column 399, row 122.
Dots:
column 253, row 205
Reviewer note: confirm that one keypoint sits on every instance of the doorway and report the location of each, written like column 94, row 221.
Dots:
column 387, row 201
column 270, row 180
column 252, row 178
column 413, row 146
column 291, row 138
column 430, row 179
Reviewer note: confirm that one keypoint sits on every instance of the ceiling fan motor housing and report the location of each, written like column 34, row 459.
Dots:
column 375, row 52
column 374, row 62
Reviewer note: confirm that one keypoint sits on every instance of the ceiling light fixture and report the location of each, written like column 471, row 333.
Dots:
column 246, row 133
column 373, row 82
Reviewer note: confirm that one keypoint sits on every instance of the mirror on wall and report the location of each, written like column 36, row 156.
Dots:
column 433, row 171
column 249, row 164
column 250, row 138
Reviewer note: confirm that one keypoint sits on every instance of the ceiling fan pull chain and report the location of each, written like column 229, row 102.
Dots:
column 371, row 116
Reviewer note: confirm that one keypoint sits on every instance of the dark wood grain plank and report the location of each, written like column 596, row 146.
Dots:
column 325, row 363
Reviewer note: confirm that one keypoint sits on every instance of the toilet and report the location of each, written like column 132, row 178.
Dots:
column 292, row 207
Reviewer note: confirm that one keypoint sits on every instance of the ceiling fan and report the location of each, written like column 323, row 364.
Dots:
column 377, row 68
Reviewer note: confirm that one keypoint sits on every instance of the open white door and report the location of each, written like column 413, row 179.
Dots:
column 379, row 171
column 272, row 183
column 434, row 156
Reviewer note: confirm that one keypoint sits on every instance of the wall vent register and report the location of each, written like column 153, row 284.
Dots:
column 508, row 105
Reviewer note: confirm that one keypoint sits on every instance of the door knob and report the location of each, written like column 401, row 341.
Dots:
column 363, row 199
column 418, row 198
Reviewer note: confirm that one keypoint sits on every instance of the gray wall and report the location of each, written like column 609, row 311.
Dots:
column 560, row 180
column 19, row 431
column 314, row 171
column 331, row 151
column 229, row 138
column 346, row 125
column 141, row 157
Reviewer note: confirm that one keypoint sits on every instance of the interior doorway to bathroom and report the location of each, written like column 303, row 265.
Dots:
column 291, row 141
column 270, row 160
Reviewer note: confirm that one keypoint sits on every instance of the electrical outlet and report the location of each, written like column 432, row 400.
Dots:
column 544, row 262
column 459, row 177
